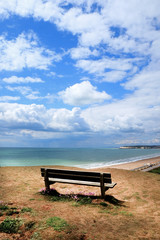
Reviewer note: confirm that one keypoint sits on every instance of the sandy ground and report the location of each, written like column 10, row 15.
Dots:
column 131, row 210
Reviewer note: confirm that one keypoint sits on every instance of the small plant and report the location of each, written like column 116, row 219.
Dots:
column 126, row 213
column 4, row 207
column 11, row 212
column 156, row 170
column 29, row 225
column 103, row 204
column 36, row 236
column 60, row 198
column 51, row 191
column 10, row 225
column 80, row 200
column 84, row 200
column 6, row 210
column 57, row 223
column 26, row 209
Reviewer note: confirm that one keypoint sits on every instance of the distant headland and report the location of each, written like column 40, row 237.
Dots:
column 141, row 147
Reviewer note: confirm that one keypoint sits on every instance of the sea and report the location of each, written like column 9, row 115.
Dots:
column 76, row 157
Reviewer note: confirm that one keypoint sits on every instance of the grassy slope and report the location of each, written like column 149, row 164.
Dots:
column 156, row 170
column 131, row 210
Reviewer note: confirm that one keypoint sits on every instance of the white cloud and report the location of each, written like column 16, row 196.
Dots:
column 15, row 79
column 19, row 116
column 144, row 80
column 110, row 70
column 83, row 93
column 123, row 117
column 137, row 111
column 121, row 27
column 29, row 93
column 25, row 91
column 146, row 89
column 27, row 51
column 66, row 120
column 99, row 66
column 90, row 26
column 113, row 76
column 85, row 79
column 127, row 30
column 38, row 118
column 8, row 98
column 47, row 10
column 93, row 27
column 82, row 52
column 42, row 134
column 124, row 14
column 136, row 117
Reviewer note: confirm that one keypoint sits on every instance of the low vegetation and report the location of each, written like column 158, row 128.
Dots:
column 57, row 223
column 10, row 225
column 156, row 170
column 69, row 212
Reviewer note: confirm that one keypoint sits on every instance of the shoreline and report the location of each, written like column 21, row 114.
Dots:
column 155, row 161
column 136, row 165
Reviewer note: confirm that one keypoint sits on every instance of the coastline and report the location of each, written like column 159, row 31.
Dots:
column 137, row 164
column 145, row 163
column 80, row 158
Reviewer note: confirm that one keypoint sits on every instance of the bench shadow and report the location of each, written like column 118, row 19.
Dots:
column 108, row 198
column 111, row 199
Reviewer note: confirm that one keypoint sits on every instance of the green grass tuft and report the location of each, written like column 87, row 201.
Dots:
column 103, row 204
column 10, row 225
column 4, row 207
column 84, row 200
column 57, row 223
column 156, row 170
column 60, row 199
column 29, row 225
column 129, row 214
column 26, row 209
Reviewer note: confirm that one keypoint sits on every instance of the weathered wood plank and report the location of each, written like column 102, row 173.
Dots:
column 96, row 184
column 77, row 175
column 96, row 179
column 73, row 172
column 111, row 185
column 58, row 180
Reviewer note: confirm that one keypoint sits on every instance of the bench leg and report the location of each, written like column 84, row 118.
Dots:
column 102, row 192
column 47, row 185
column 102, row 187
column 46, row 181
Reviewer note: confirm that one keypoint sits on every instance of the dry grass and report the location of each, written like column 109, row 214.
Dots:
column 131, row 210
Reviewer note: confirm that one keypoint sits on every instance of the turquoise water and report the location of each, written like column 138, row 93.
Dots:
column 81, row 157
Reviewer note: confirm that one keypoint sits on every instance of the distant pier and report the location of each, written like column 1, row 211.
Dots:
column 141, row 147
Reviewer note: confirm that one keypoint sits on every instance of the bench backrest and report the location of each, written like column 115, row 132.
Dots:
column 76, row 175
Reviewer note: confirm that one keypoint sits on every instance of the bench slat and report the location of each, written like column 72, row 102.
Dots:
column 68, row 181
column 110, row 185
column 73, row 172
column 96, row 179
column 78, row 177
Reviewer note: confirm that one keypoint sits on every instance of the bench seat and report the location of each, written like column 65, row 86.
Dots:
column 94, row 184
column 88, row 178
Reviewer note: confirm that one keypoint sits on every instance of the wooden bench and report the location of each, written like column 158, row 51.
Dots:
column 95, row 179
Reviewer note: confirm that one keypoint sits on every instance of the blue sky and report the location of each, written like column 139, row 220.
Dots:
column 79, row 73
